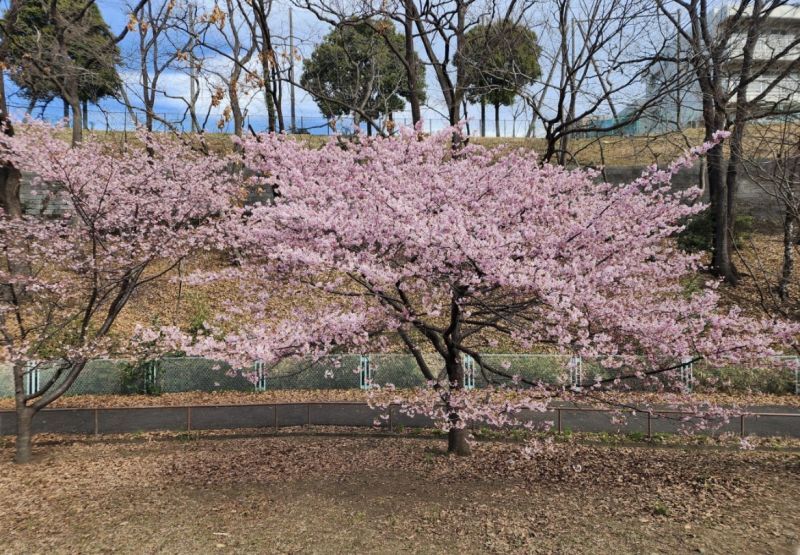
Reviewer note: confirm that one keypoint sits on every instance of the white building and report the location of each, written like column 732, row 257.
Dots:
column 684, row 106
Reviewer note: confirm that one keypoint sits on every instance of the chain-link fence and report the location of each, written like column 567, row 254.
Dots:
column 179, row 374
column 125, row 121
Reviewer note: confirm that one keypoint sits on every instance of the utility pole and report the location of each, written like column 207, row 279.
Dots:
column 292, row 116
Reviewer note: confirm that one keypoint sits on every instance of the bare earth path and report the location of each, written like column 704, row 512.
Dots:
column 323, row 494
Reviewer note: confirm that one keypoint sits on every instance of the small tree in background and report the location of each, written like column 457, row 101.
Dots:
column 498, row 60
column 353, row 71
column 131, row 218
column 62, row 50
column 397, row 241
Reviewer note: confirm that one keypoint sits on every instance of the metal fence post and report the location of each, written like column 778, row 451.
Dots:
column 261, row 376
column 32, row 375
column 575, row 371
column 469, row 372
column 365, row 372
column 687, row 373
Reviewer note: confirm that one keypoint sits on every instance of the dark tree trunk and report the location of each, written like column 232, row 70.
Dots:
column 24, row 441
column 271, row 119
column 9, row 178
column 721, row 260
column 457, row 443
column 496, row 119
column 66, row 109
column 236, row 112
column 86, row 114
column 9, row 191
column 410, row 65
column 25, row 414
column 77, row 121
column 483, row 117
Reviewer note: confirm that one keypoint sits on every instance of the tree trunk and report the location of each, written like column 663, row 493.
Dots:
column 268, row 99
column 77, row 122
column 457, row 443
column 24, row 416
column 483, row 117
column 86, row 114
column 457, row 435
column 410, row 65
column 9, row 191
column 24, row 440
column 496, row 119
column 721, row 260
column 10, row 177
column 236, row 112
column 66, row 109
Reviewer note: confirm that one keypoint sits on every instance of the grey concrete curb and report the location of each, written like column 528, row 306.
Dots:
column 762, row 421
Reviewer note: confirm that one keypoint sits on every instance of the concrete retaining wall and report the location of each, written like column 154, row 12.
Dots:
column 753, row 199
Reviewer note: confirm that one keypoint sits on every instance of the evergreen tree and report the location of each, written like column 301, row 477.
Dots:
column 37, row 64
column 498, row 60
column 354, row 71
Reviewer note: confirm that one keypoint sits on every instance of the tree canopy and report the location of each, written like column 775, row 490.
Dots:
column 498, row 60
column 393, row 241
column 36, row 63
column 355, row 71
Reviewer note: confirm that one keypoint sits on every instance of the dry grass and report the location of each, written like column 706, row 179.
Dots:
column 609, row 150
column 333, row 494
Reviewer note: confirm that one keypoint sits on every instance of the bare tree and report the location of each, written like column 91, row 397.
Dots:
column 772, row 163
column 735, row 80
column 236, row 35
column 162, row 43
column 595, row 56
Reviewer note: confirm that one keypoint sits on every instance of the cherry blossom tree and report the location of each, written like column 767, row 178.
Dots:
column 131, row 217
column 407, row 241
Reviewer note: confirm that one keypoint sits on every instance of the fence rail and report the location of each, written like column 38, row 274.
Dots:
column 97, row 421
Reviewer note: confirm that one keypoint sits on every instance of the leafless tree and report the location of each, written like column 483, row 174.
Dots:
column 723, row 50
column 772, row 163
column 595, row 55
column 236, row 35
column 162, row 45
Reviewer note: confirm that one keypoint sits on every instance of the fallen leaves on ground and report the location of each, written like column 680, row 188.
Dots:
column 195, row 398
column 301, row 493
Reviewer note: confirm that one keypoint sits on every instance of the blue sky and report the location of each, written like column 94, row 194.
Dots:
column 307, row 31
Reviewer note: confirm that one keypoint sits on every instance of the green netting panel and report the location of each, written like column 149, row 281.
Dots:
column 100, row 377
column 178, row 374
column 6, row 381
column 401, row 370
column 550, row 369
column 735, row 379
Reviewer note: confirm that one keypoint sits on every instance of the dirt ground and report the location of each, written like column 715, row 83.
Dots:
column 332, row 493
